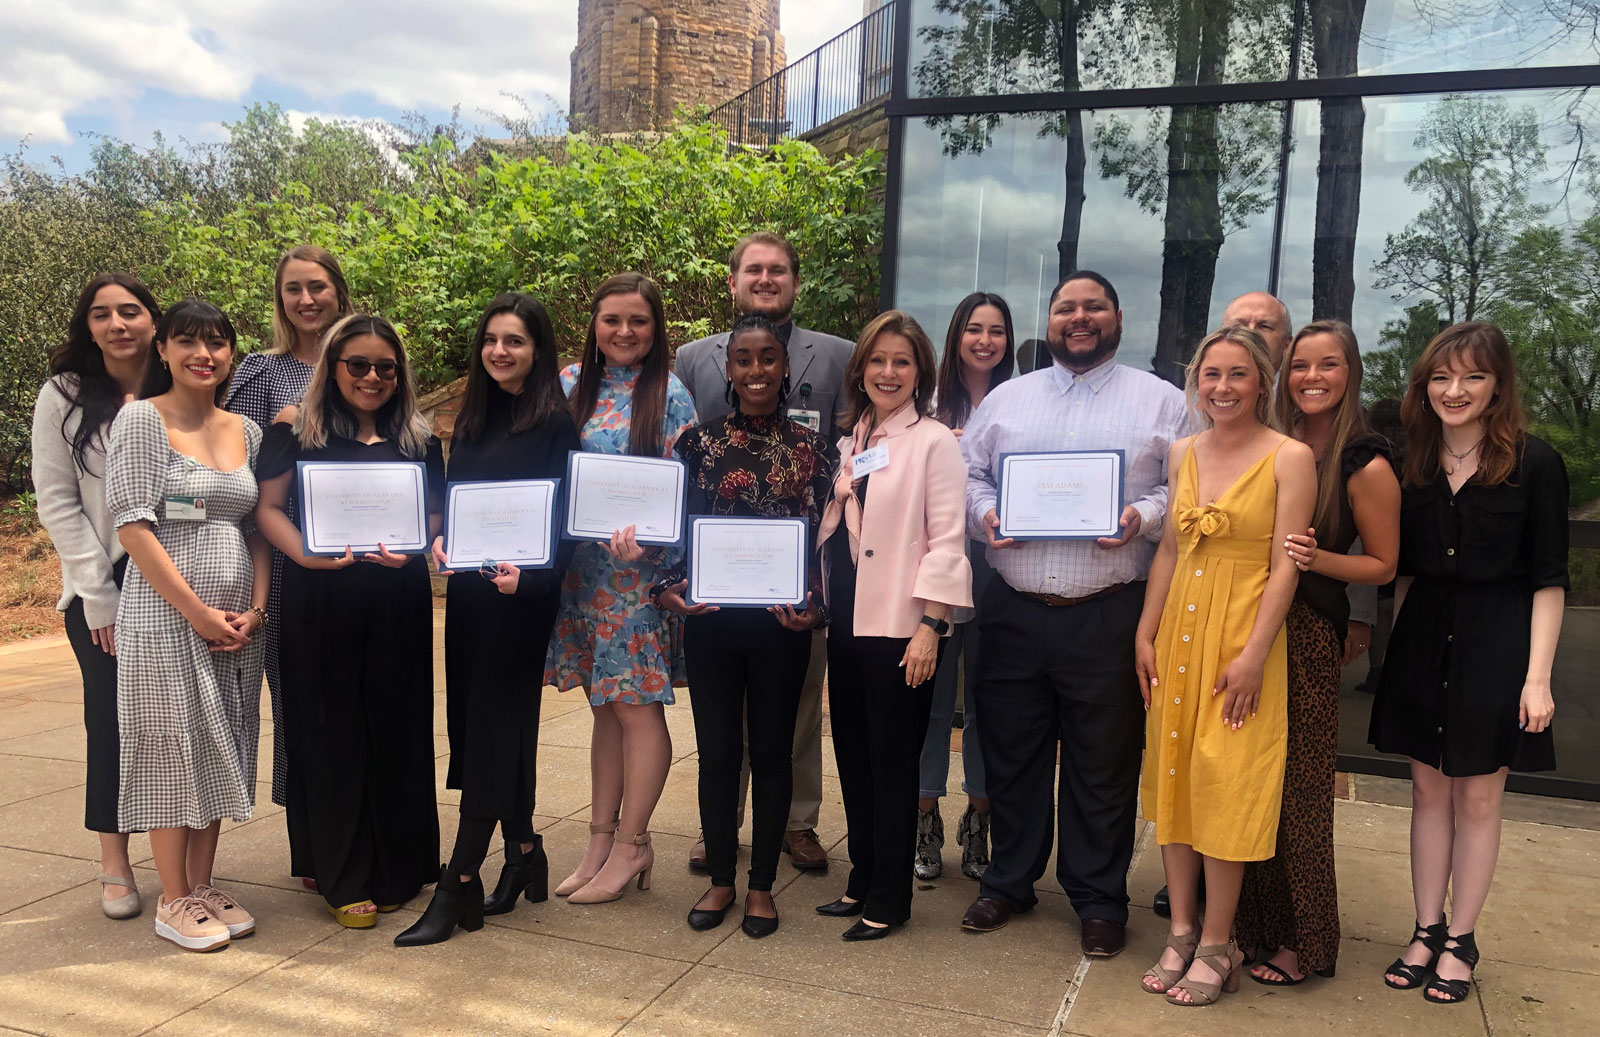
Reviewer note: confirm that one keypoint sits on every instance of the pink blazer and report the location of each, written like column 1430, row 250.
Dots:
column 913, row 526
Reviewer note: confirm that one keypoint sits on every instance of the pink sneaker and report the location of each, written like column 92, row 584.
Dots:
column 188, row 923
column 226, row 910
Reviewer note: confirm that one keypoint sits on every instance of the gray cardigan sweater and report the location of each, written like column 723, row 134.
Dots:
column 72, row 508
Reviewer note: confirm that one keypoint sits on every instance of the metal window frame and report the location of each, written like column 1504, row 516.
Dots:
column 900, row 107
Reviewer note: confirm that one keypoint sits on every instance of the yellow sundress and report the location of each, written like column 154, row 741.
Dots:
column 1204, row 785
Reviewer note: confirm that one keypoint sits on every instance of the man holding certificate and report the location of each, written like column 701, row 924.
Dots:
column 1071, row 461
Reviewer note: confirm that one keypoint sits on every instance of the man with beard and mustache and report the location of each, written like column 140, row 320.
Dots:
column 1058, row 625
column 763, row 277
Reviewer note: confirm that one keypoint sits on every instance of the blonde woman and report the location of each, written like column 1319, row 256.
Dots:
column 1210, row 654
column 308, row 295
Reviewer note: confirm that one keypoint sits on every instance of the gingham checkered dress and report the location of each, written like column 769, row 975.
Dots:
column 265, row 384
column 189, row 717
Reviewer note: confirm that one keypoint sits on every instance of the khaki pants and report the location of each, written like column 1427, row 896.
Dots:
column 807, row 801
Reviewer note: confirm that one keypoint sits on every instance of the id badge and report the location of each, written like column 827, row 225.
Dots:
column 186, row 509
column 812, row 419
column 869, row 461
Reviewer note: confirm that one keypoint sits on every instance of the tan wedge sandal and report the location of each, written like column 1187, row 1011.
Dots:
column 1185, row 946
column 577, row 880
column 1226, row 960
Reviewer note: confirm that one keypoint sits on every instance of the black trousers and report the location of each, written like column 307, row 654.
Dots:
column 879, row 726
column 99, row 671
column 473, row 835
column 1061, row 675
column 745, row 670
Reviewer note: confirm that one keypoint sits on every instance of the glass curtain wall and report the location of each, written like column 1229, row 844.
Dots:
column 1037, row 136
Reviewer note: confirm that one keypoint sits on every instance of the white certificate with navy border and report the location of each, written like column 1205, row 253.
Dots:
column 1061, row 495
column 607, row 492
column 360, row 504
column 510, row 521
column 748, row 562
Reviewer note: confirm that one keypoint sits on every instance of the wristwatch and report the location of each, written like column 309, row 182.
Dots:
column 940, row 626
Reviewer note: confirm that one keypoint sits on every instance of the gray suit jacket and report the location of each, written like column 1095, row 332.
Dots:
column 816, row 368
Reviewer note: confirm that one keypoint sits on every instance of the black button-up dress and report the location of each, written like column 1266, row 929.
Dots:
column 1452, row 679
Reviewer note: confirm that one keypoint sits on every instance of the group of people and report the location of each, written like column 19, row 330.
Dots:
column 1192, row 659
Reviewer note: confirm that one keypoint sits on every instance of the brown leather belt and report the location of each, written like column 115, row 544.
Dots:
column 1060, row 602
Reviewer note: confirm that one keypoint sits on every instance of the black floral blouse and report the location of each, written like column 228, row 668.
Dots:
column 760, row 466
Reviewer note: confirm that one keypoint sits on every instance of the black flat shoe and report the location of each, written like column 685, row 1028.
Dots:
column 524, row 874
column 755, row 926
column 862, row 931
column 701, row 919
column 840, row 908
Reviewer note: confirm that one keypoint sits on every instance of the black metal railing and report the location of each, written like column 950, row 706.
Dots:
column 848, row 73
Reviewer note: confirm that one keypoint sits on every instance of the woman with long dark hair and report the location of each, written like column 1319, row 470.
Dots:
column 356, row 657
column 309, row 294
column 1289, row 904
column 93, row 373
column 979, row 354
column 609, row 638
column 513, row 424
column 747, row 665
column 1465, row 688
column 181, row 491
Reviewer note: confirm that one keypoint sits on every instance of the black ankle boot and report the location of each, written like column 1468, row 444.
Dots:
column 524, row 873
column 456, row 901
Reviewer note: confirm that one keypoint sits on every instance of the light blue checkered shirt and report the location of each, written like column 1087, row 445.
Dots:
column 1111, row 407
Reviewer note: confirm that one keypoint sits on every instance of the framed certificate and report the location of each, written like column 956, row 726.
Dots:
column 1065, row 495
column 606, row 492
column 361, row 503
column 511, row 521
column 748, row 562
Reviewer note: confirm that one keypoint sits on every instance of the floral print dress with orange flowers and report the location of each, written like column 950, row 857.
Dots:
column 608, row 637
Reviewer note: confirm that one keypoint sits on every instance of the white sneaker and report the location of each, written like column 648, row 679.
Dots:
column 226, row 910
column 188, row 923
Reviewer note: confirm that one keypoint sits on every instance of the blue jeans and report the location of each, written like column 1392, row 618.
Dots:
column 957, row 667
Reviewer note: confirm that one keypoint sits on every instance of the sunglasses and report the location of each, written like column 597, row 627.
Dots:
column 358, row 366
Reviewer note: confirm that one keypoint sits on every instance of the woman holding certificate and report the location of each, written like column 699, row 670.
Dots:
column 93, row 373
column 1289, row 906
column 978, row 355
column 180, row 489
column 895, row 566
column 609, row 637
column 357, row 645
column 746, row 665
column 1210, row 653
column 308, row 294
column 513, row 425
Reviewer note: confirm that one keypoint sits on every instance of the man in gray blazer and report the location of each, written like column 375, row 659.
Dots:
column 763, row 276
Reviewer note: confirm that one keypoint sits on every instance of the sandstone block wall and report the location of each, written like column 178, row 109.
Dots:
column 637, row 61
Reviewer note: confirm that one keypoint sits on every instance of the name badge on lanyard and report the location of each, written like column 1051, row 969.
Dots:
column 812, row 419
column 869, row 461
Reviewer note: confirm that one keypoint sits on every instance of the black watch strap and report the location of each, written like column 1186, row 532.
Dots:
column 940, row 626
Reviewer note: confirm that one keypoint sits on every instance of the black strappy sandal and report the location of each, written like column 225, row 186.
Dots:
column 1432, row 937
column 1283, row 979
column 1455, row 991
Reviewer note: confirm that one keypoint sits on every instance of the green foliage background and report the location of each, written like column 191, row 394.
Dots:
column 426, row 231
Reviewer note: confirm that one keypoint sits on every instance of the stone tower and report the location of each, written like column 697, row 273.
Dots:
column 638, row 60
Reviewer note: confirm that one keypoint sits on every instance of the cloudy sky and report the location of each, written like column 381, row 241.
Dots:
column 185, row 67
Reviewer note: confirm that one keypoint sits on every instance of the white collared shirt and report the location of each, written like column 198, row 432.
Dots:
column 1110, row 407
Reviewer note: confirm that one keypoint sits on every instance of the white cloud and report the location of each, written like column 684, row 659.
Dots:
column 66, row 58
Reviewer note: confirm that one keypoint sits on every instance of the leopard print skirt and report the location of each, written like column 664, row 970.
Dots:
column 1292, row 900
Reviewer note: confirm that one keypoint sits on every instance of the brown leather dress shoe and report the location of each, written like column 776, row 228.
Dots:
column 986, row 915
column 1103, row 938
column 697, row 855
column 805, row 851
